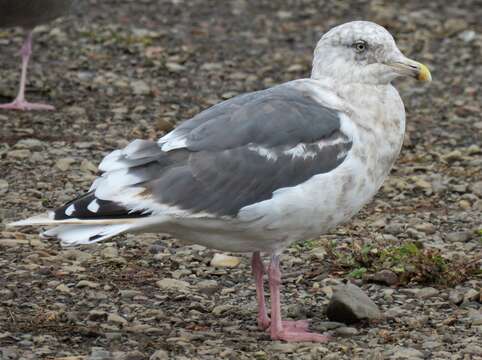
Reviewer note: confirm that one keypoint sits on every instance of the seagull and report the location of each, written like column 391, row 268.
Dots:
column 28, row 14
column 261, row 170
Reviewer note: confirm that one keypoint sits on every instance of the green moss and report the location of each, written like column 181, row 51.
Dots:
column 411, row 261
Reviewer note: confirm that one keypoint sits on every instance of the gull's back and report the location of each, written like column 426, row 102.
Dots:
column 30, row 13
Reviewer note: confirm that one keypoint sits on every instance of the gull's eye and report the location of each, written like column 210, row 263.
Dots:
column 360, row 46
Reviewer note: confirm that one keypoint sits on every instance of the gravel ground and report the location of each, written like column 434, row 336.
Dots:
column 133, row 69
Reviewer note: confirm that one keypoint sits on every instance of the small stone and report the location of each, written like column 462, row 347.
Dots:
column 471, row 295
column 172, row 284
column 426, row 228
column 473, row 350
column 221, row 309
column 426, row 293
column 99, row 354
column 349, row 304
column 406, row 353
column 3, row 186
column 116, row 319
column 129, row 294
column 476, row 188
column 97, row 315
column 222, row 260
column 140, row 87
column 87, row 283
column 109, row 252
column 160, row 355
column 64, row 163
column 175, row 67
column 346, row 331
column 88, row 166
column 63, row 289
column 386, row 277
column 20, row 154
column 456, row 297
column 475, row 317
column 459, row 236
column 207, row 286
column 284, row 347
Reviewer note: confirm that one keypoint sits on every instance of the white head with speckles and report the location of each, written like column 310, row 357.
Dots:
column 363, row 52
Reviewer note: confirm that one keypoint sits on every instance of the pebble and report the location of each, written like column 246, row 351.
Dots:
column 406, row 353
column 475, row 317
column 172, row 284
column 117, row 319
column 88, row 284
column 426, row 293
column 20, row 154
column 160, row 355
column 476, row 188
column 64, row 164
column 63, row 289
column 471, row 295
column 458, row 236
column 207, row 286
column 110, row 252
column 140, row 87
column 386, row 277
column 3, row 186
column 222, row 260
column 456, row 297
column 346, row 331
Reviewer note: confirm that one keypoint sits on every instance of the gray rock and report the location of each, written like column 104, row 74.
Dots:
column 349, row 304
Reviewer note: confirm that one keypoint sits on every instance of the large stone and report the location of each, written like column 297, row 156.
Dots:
column 349, row 304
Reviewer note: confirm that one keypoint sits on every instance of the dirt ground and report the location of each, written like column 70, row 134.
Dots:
column 121, row 70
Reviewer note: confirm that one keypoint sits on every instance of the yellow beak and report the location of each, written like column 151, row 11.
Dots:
column 424, row 73
column 408, row 67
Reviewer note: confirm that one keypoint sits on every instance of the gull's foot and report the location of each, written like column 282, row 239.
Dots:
column 295, row 334
column 23, row 105
column 264, row 324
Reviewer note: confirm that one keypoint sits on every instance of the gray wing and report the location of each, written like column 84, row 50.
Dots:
column 230, row 156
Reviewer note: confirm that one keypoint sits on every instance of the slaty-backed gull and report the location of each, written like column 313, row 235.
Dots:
column 259, row 171
column 29, row 14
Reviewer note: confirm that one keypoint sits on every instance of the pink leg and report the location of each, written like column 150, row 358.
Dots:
column 296, row 331
column 258, row 272
column 20, row 103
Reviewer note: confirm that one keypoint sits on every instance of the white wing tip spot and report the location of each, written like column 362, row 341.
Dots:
column 93, row 206
column 70, row 210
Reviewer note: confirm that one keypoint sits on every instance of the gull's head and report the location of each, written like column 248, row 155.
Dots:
column 363, row 52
